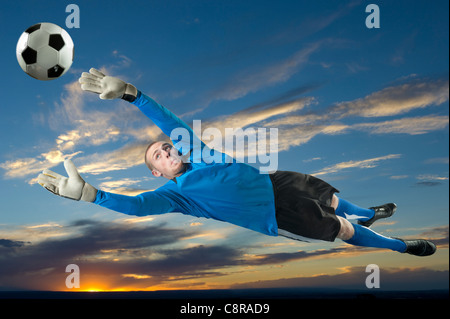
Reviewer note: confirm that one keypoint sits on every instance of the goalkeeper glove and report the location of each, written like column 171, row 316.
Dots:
column 73, row 187
column 107, row 86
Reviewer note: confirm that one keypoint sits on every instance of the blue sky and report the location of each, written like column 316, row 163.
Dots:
column 364, row 109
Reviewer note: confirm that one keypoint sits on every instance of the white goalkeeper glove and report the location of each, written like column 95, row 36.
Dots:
column 107, row 86
column 73, row 187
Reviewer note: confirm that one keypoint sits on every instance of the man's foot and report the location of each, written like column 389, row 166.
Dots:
column 419, row 247
column 383, row 211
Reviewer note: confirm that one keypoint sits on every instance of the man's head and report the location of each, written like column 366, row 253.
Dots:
column 163, row 160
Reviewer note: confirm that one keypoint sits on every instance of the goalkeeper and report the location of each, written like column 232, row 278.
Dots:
column 288, row 204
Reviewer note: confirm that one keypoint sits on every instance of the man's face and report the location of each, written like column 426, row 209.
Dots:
column 165, row 160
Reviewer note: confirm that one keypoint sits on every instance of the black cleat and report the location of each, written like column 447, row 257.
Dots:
column 419, row 247
column 383, row 211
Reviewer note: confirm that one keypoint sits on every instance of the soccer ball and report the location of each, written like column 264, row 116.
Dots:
column 45, row 51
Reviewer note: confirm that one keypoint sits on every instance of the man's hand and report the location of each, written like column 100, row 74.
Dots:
column 73, row 187
column 107, row 86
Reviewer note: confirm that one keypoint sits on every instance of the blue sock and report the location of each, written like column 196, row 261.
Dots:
column 366, row 237
column 348, row 210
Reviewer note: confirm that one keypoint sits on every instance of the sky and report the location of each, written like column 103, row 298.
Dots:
column 365, row 109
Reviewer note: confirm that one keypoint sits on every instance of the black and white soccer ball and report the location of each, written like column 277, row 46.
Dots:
column 45, row 51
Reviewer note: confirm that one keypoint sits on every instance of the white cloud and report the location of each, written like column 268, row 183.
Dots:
column 296, row 130
column 35, row 233
column 125, row 186
column 44, row 226
column 411, row 125
column 397, row 177
column 298, row 135
column 120, row 159
column 56, row 156
column 87, row 124
column 247, row 118
column 109, row 185
column 23, row 167
column 396, row 100
column 438, row 160
column 250, row 81
column 429, row 177
column 367, row 163
column 312, row 159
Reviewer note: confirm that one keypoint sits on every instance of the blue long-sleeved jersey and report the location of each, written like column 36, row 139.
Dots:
column 224, row 189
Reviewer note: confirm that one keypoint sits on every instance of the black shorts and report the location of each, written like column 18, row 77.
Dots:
column 303, row 207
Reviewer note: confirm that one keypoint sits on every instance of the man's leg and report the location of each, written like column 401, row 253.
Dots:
column 362, row 236
column 365, row 216
column 348, row 210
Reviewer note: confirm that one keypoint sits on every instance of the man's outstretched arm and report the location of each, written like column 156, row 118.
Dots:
column 112, row 88
column 109, row 87
column 74, row 187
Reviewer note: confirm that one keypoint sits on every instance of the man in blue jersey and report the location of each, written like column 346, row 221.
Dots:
column 213, row 185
